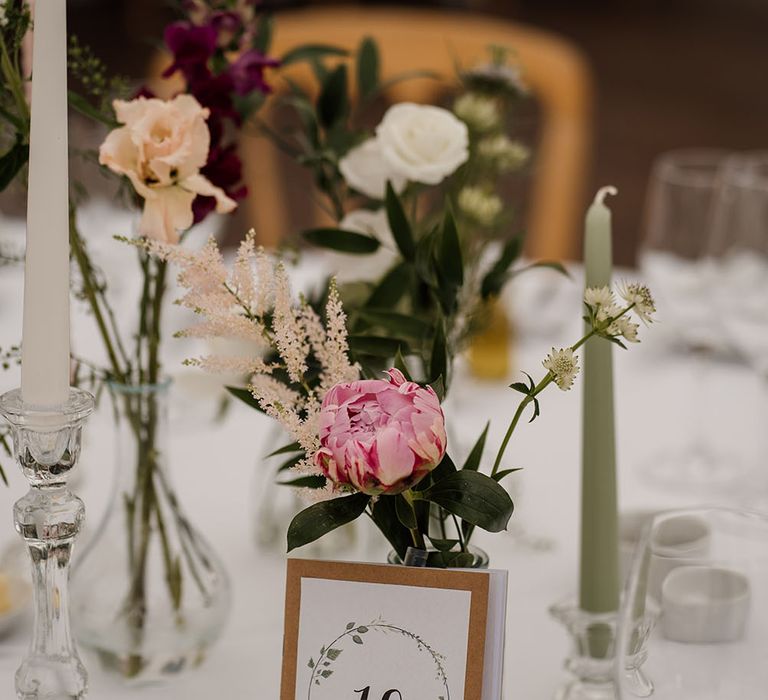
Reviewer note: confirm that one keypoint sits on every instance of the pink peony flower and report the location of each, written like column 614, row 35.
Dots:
column 380, row 436
column 161, row 149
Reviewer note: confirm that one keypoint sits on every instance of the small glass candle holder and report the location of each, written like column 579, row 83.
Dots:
column 592, row 657
column 46, row 445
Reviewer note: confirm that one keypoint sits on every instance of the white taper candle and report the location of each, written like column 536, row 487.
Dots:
column 45, row 339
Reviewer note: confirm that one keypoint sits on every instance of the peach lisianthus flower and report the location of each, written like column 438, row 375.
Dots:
column 161, row 148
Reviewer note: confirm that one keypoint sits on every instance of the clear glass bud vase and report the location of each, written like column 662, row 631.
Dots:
column 149, row 595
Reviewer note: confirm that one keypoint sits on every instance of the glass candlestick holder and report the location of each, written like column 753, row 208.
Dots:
column 46, row 443
column 592, row 657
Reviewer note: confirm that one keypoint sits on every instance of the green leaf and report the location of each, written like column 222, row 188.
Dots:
column 290, row 463
column 444, row 469
column 398, row 323
column 498, row 476
column 405, row 512
column 85, row 108
column 327, row 673
column 400, row 364
column 311, row 663
column 391, row 288
column 333, row 654
column 286, row 449
column 438, row 361
column 385, row 517
column 311, row 52
column 367, row 67
column 342, row 241
column 498, row 274
column 536, row 410
column 551, row 264
column 426, row 262
column 474, row 497
column 438, row 387
column 356, row 639
column 443, row 545
column 362, row 629
column 313, row 481
column 450, row 255
column 378, row 346
column 245, row 396
column 264, row 30
column 15, row 121
column 324, row 517
column 13, row 161
column 350, row 625
column 333, row 102
column 399, row 225
column 519, row 386
column 473, row 461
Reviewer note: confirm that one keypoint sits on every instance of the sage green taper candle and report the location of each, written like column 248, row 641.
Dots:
column 599, row 580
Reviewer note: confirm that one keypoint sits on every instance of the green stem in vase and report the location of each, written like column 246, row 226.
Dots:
column 92, row 296
column 416, row 535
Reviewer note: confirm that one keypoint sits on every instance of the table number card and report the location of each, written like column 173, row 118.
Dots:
column 380, row 632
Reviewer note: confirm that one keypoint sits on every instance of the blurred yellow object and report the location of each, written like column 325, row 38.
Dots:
column 5, row 594
column 435, row 40
column 489, row 352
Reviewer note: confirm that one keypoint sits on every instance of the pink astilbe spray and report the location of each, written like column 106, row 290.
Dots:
column 253, row 301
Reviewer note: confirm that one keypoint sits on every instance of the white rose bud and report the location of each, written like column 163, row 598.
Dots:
column 365, row 170
column 423, row 143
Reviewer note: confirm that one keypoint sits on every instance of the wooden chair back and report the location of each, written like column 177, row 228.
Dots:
column 409, row 39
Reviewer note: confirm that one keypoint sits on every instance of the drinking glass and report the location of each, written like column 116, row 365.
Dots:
column 675, row 259
column 696, row 608
column 739, row 258
column 739, row 254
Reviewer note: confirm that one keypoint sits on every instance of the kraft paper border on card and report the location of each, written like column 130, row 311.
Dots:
column 477, row 583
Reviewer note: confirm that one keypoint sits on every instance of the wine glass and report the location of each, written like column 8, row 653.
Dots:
column 675, row 259
column 694, row 618
column 739, row 252
column 739, row 258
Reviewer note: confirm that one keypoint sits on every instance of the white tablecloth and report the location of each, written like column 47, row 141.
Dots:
column 654, row 397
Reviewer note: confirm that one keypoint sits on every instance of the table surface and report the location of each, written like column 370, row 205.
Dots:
column 661, row 400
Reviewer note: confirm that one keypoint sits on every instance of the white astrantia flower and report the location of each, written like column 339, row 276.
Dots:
column 563, row 365
column 422, row 143
column 640, row 296
column 623, row 327
column 479, row 205
column 599, row 296
column 505, row 154
column 479, row 112
column 365, row 169
column 603, row 313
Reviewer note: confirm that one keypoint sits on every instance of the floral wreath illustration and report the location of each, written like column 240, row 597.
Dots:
column 323, row 667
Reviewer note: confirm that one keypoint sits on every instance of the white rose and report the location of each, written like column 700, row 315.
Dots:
column 365, row 169
column 351, row 268
column 423, row 143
